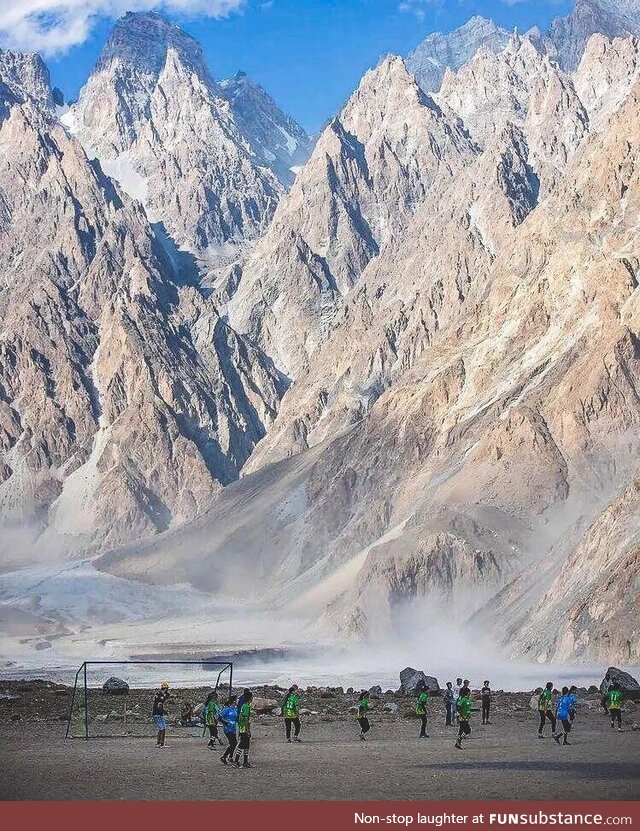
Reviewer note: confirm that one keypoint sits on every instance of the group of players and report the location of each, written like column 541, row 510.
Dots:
column 235, row 716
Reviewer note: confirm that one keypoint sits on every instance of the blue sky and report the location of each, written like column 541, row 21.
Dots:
column 310, row 54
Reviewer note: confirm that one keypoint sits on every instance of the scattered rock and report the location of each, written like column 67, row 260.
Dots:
column 61, row 692
column 102, row 717
column 350, row 691
column 412, row 681
column 115, row 686
column 391, row 707
column 533, row 702
column 593, row 689
column 15, row 717
column 628, row 684
column 376, row 690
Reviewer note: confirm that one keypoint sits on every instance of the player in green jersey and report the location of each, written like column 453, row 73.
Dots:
column 464, row 707
column 291, row 713
column 363, row 709
column 421, row 710
column 244, row 730
column 546, row 709
column 211, row 716
column 614, row 705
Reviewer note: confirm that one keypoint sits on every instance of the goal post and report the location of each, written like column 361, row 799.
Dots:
column 95, row 712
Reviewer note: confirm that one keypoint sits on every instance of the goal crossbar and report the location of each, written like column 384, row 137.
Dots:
column 81, row 680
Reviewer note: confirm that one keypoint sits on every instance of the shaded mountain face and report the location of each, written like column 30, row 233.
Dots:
column 565, row 41
column 207, row 161
column 126, row 403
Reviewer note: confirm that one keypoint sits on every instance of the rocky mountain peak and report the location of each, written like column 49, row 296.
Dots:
column 569, row 35
column 26, row 75
column 277, row 139
column 439, row 51
column 142, row 40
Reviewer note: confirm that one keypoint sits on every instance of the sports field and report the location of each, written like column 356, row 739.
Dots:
column 504, row 760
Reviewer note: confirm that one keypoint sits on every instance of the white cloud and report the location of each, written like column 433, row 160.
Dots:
column 54, row 26
column 418, row 7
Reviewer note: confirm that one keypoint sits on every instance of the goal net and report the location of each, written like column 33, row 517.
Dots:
column 115, row 698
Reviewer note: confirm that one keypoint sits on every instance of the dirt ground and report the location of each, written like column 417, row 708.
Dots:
column 504, row 760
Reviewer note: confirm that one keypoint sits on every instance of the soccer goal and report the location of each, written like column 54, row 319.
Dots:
column 115, row 698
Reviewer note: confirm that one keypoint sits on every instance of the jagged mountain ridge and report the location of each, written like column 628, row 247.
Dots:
column 438, row 442
column 452, row 285
column 565, row 40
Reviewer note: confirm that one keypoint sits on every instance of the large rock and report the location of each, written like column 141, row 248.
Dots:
column 413, row 681
column 264, row 705
column 115, row 686
column 628, row 684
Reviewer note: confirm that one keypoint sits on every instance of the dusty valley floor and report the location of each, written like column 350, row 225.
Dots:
column 504, row 760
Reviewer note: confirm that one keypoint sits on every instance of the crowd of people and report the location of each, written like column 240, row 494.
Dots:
column 235, row 716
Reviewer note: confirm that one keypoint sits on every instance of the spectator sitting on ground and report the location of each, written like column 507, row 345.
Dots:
column 187, row 716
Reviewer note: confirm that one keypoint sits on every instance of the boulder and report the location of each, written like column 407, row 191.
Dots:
column 533, row 702
column 413, row 681
column 264, row 705
column 392, row 708
column 628, row 684
column 115, row 686
column 377, row 690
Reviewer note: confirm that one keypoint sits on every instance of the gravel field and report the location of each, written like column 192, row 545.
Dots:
column 504, row 760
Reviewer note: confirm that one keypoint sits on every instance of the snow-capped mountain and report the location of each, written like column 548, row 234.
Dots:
column 198, row 155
